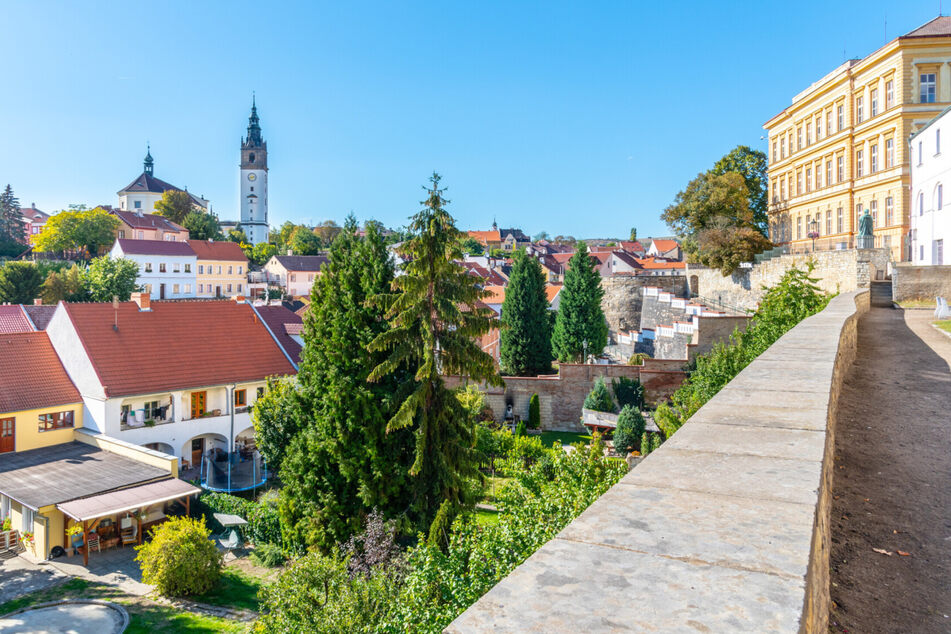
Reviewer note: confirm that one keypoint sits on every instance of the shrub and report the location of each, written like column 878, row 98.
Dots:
column 655, row 441
column 263, row 517
column 534, row 413
column 439, row 530
column 375, row 546
column 473, row 403
column 630, row 428
column 598, row 398
column 180, row 559
column 628, row 392
column 520, row 428
column 638, row 358
column 268, row 555
column 645, row 444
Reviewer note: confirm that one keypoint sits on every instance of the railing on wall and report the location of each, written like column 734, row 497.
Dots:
column 716, row 303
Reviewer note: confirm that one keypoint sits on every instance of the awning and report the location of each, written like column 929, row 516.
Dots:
column 114, row 502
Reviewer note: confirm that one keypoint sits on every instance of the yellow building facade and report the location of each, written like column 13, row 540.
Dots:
column 840, row 147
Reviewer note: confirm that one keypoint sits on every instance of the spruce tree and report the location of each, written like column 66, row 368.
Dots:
column 526, row 332
column 343, row 464
column 11, row 225
column 435, row 323
column 580, row 317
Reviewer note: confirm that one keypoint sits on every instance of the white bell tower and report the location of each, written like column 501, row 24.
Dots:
column 254, row 181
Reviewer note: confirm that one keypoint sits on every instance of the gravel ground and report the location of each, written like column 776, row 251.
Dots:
column 892, row 490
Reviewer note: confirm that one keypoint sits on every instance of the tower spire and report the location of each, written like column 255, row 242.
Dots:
column 254, row 125
column 149, row 164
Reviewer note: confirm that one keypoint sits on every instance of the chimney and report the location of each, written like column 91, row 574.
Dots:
column 143, row 300
column 38, row 301
column 239, row 299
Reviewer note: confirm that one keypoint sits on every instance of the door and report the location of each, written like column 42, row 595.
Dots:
column 198, row 404
column 7, row 434
column 198, row 448
column 217, row 291
column 161, row 291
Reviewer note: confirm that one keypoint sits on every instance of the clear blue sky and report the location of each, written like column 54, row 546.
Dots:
column 580, row 118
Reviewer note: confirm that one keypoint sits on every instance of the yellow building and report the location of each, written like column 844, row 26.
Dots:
column 55, row 475
column 222, row 268
column 840, row 147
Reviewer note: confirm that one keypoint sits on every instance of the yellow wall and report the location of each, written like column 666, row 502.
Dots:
column 898, row 62
column 211, row 280
column 28, row 435
column 135, row 452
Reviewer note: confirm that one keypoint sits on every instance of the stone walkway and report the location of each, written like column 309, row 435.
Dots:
column 19, row 576
column 891, row 486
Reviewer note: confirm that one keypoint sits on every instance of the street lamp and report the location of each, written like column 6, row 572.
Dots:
column 814, row 232
column 584, row 359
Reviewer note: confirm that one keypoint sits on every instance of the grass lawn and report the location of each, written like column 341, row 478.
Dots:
column 235, row 589
column 917, row 303
column 485, row 517
column 145, row 616
column 564, row 438
column 492, row 486
column 944, row 324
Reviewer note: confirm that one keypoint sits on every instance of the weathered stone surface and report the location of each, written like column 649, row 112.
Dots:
column 623, row 297
column 725, row 528
column 920, row 282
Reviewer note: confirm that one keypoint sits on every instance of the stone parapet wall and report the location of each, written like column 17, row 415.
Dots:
column 920, row 282
column 837, row 272
column 725, row 528
column 561, row 396
column 623, row 296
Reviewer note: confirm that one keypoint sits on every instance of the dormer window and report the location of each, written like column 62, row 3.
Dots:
column 138, row 204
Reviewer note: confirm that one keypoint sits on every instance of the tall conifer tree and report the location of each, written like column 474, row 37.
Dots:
column 11, row 225
column 435, row 325
column 580, row 317
column 526, row 333
column 343, row 464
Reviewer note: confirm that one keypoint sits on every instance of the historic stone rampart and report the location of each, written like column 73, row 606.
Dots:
column 837, row 272
column 623, row 296
column 921, row 282
column 725, row 528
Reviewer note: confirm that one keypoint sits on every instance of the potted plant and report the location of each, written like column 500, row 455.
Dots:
column 71, row 532
column 26, row 538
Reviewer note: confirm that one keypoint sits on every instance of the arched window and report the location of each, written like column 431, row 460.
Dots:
column 939, row 196
column 251, row 157
column 921, row 203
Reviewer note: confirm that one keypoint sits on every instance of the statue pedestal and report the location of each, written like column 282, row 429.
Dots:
column 865, row 242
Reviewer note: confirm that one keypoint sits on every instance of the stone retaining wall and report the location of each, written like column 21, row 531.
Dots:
column 624, row 294
column 837, row 271
column 921, row 282
column 561, row 396
column 725, row 528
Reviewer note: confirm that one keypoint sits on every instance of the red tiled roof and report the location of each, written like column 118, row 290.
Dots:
column 494, row 295
column 211, row 250
column 628, row 259
column 31, row 375
column 496, row 279
column 551, row 291
column 146, row 221
column 279, row 319
column 154, row 247
column 176, row 345
column 653, row 263
column 485, row 237
column 13, row 319
column 663, row 246
column 632, row 247
column 40, row 315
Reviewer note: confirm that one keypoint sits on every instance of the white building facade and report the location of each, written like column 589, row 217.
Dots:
column 254, row 181
column 930, row 178
column 167, row 269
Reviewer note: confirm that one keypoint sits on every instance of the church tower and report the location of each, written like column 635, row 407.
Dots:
column 254, row 181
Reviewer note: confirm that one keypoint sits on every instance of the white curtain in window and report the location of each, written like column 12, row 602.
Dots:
column 27, row 520
column 4, row 507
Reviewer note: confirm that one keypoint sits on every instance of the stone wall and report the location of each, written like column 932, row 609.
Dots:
column 657, row 313
column 714, row 330
column 921, row 282
column 837, row 272
column 561, row 396
column 725, row 528
column 623, row 295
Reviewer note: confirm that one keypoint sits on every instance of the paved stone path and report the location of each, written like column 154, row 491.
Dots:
column 19, row 576
column 891, row 487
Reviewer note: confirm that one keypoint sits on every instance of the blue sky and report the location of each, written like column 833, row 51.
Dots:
column 580, row 118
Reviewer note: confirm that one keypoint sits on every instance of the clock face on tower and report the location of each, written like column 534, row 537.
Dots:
column 251, row 177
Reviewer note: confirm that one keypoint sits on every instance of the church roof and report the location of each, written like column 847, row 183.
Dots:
column 146, row 221
column 148, row 183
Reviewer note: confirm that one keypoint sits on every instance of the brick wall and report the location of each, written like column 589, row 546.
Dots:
column 921, row 282
column 561, row 396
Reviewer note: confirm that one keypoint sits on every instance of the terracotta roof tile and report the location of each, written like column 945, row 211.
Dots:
column 665, row 245
column 31, row 375
column 40, row 315
column 155, row 247
column 146, row 221
column 282, row 321
column 176, row 345
column 552, row 290
column 494, row 295
column 211, row 250
column 13, row 319
column 484, row 237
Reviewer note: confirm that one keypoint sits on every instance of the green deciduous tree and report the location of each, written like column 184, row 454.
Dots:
column 175, row 205
column 580, row 317
column 69, row 285
column 238, row 235
column 526, row 328
column 86, row 231
column 471, row 246
column 202, row 226
column 277, row 421
column 630, row 428
column 263, row 251
column 344, row 463
column 752, row 166
column 20, row 283
column 304, row 242
column 111, row 277
column 435, row 328
column 633, row 234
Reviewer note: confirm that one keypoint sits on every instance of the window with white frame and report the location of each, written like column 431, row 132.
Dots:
column 839, row 228
column 873, row 207
column 201, row 269
column 927, row 83
column 176, row 267
column 176, row 289
column 919, row 152
column 937, row 141
column 921, row 203
column 859, row 163
column 229, row 288
column 840, row 169
column 799, row 183
column 808, row 179
column 148, row 267
column 188, row 267
column 819, row 176
column 230, row 269
column 799, row 138
column 828, row 122
column 201, row 288
column 873, row 156
column 818, row 127
column 799, row 227
column 873, row 102
column 859, row 109
column 889, row 211
column 889, row 94
column 161, row 267
column 829, row 222
column 808, row 134
column 858, row 213
column 889, row 153
column 775, row 148
column 840, row 111
column 828, row 172
column 188, row 289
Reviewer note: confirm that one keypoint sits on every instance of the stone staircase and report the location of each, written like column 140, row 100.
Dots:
column 670, row 325
column 881, row 294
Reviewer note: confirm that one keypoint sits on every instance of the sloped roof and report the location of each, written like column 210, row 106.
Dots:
column 278, row 318
column 13, row 319
column 176, row 345
column 665, row 245
column 515, row 233
column 552, row 290
column 146, row 221
column 302, row 262
column 937, row 27
column 154, row 247
column 31, row 375
column 632, row 246
column 145, row 182
column 485, row 237
column 40, row 315
column 31, row 213
column 224, row 251
column 627, row 258
column 653, row 263
column 494, row 295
